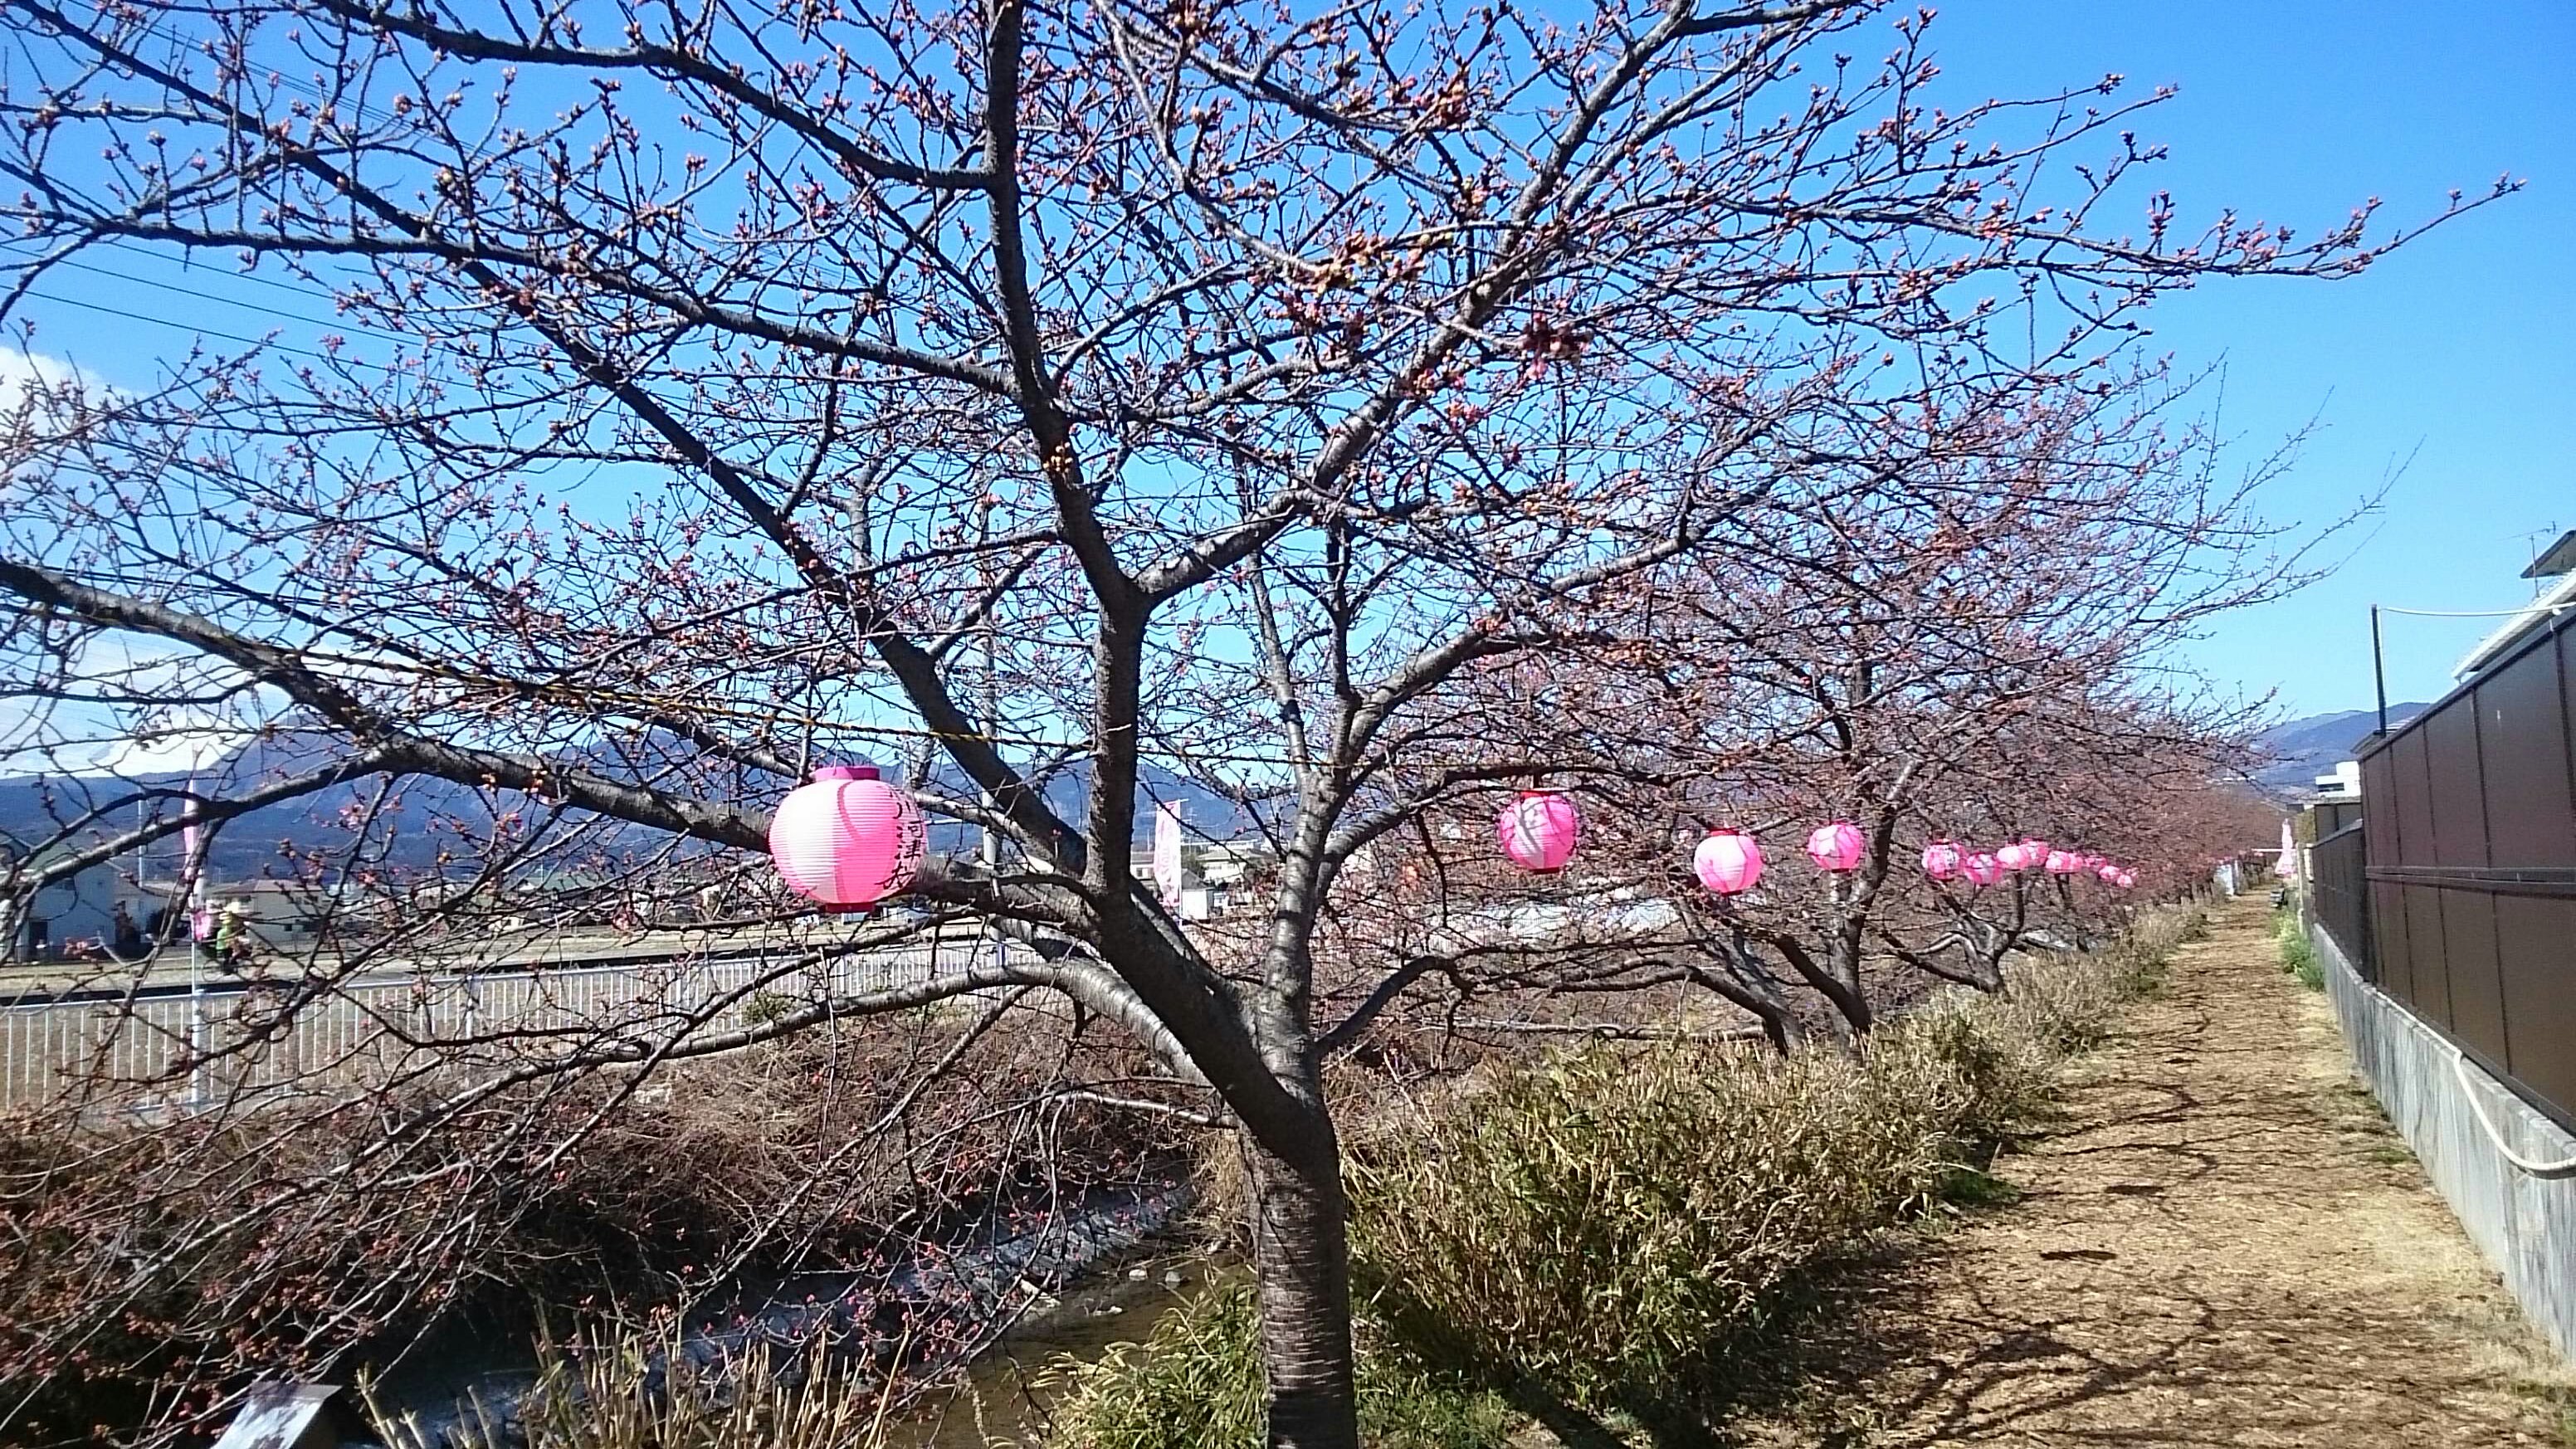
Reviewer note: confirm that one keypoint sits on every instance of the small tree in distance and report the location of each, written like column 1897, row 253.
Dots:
column 1036, row 391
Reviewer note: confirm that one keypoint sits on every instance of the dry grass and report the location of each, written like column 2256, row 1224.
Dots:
column 1195, row 1383
column 150, row 1271
column 615, row 1394
column 1612, row 1223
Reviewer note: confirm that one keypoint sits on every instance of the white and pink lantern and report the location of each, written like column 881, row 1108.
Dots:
column 2064, row 862
column 848, row 839
column 1836, row 846
column 2015, row 856
column 1539, row 830
column 1981, row 869
column 2109, row 873
column 2125, row 879
column 1728, row 862
column 1942, row 859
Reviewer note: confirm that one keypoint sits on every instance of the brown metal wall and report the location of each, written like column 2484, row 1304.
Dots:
column 2342, row 896
column 2471, row 868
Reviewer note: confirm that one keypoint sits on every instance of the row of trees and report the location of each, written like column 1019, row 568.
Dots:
column 1359, row 410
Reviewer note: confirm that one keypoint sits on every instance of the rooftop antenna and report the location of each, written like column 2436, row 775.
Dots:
column 2552, row 561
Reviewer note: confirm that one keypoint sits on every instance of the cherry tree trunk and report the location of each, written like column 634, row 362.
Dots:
column 1302, row 1256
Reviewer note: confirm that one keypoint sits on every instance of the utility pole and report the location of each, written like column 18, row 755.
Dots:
column 988, row 846
column 192, row 881
column 2378, row 671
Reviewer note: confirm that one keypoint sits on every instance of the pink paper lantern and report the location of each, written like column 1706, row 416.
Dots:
column 1728, row 862
column 1982, row 869
column 1942, row 859
column 2015, row 856
column 1836, row 846
column 2126, row 880
column 2109, row 873
column 2062, row 862
column 1538, row 830
column 847, row 840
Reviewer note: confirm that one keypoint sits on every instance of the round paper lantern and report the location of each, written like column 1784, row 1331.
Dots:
column 1982, row 869
column 2126, row 880
column 1728, row 862
column 2015, row 856
column 1942, row 859
column 848, row 839
column 2062, row 862
column 2109, row 873
column 1538, row 830
column 1836, row 846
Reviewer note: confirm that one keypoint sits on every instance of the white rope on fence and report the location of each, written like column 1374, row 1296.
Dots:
column 2564, row 1167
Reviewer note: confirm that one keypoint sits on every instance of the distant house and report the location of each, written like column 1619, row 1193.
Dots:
column 1214, row 873
column 78, row 908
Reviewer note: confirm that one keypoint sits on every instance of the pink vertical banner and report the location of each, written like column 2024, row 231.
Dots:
column 1167, row 853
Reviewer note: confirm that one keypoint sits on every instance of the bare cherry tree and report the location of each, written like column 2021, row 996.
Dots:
column 1972, row 636
column 1025, row 393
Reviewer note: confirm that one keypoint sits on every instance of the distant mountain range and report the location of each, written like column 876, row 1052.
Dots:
column 34, row 808
column 2302, row 749
column 413, row 817
column 2296, row 752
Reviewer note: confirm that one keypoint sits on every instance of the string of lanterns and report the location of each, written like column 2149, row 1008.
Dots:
column 847, row 840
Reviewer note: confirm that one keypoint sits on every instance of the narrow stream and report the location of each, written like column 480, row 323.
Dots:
column 1082, row 1265
column 1010, row 1391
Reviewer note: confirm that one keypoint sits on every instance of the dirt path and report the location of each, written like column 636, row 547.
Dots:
column 2224, row 1244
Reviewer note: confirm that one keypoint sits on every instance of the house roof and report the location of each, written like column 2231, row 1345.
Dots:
column 2556, row 600
column 2558, row 558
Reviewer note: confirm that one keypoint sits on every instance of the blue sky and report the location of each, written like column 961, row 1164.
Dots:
column 2455, row 352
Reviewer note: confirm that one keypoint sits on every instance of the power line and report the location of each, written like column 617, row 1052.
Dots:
column 183, row 258
column 265, row 344
column 224, row 301
column 2471, row 613
column 567, row 693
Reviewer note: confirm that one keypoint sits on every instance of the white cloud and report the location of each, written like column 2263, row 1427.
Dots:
column 171, row 749
column 25, row 374
column 137, row 734
column 40, row 397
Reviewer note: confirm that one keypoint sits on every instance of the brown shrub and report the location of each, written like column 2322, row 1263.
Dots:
column 152, row 1268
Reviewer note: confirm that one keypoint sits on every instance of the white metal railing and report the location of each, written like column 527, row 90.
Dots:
column 134, row 1053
